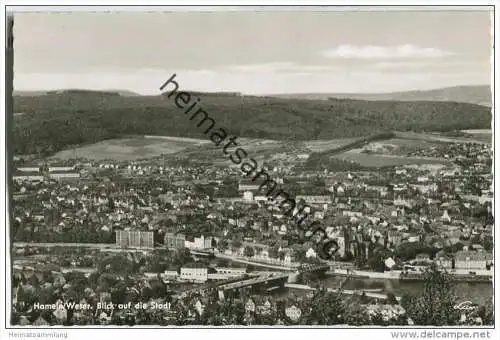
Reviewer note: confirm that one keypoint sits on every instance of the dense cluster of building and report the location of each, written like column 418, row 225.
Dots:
column 391, row 220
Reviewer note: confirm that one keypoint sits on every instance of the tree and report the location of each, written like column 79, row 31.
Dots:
column 356, row 315
column 77, row 280
column 119, row 293
column 273, row 252
column 157, row 264
column 236, row 244
column 111, row 204
column 332, row 309
column 34, row 281
column 486, row 313
column 308, row 278
column 281, row 255
column 435, row 305
column 117, row 264
column 93, row 279
column 158, row 288
column 46, row 296
column 487, row 243
column 300, row 255
column 391, row 299
column 376, row 261
column 409, row 250
column 47, row 276
column 364, row 299
column 181, row 256
column 454, row 248
column 249, row 251
column 222, row 245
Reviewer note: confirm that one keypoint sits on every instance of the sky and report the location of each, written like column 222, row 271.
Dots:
column 253, row 52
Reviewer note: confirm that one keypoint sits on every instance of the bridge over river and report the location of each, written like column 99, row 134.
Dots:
column 368, row 293
column 265, row 279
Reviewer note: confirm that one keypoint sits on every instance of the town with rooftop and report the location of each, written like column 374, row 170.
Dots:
column 206, row 244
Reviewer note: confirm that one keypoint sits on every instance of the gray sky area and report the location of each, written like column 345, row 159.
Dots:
column 253, row 52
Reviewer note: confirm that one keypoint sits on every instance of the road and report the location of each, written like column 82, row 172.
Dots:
column 106, row 247
column 179, row 139
column 72, row 245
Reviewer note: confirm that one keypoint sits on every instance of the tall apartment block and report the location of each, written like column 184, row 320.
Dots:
column 134, row 239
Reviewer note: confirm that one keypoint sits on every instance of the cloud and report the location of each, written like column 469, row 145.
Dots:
column 390, row 65
column 429, row 65
column 263, row 67
column 284, row 67
column 384, row 52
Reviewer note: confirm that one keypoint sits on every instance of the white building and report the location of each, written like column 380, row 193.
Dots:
column 310, row 253
column 248, row 185
column 248, row 196
column 352, row 213
column 198, row 275
column 446, row 217
column 341, row 244
column 30, row 178
column 170, row 274
column 235, row 271
column 227, row 273
column 260, row 198
column 315, row 199
column 413, row 239
column 471, row 260
column 201, row 242
column 389, row 263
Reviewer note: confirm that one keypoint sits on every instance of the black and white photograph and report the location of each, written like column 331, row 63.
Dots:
column 277, row 167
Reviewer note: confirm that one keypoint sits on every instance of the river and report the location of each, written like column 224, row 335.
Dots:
column 480, row 293
column 476, row 292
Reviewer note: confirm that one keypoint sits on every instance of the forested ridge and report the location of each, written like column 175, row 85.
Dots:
column 56, row 121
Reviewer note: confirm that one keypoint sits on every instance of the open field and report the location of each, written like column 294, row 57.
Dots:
column 326, row 145
column 129, row 148
column 386, row 160
column 476, row 131
column 393, row 146
column 259, row 149
column 484, row 135
column 177, row 139
column 437, row 137
column 394, row 151
column 377, row 153
column 259, row 145
column 134, row 148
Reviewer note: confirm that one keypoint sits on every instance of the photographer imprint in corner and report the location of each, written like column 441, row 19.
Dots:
column 465, row 306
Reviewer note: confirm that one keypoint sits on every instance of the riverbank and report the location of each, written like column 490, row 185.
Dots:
column 477, row 292
column 374, row 293
column 460, row 276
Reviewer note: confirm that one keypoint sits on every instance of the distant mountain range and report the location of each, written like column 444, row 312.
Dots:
column 480, row 94
column 122, row 93
column 473, row 94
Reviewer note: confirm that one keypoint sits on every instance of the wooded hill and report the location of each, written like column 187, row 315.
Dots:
column 55, row 121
